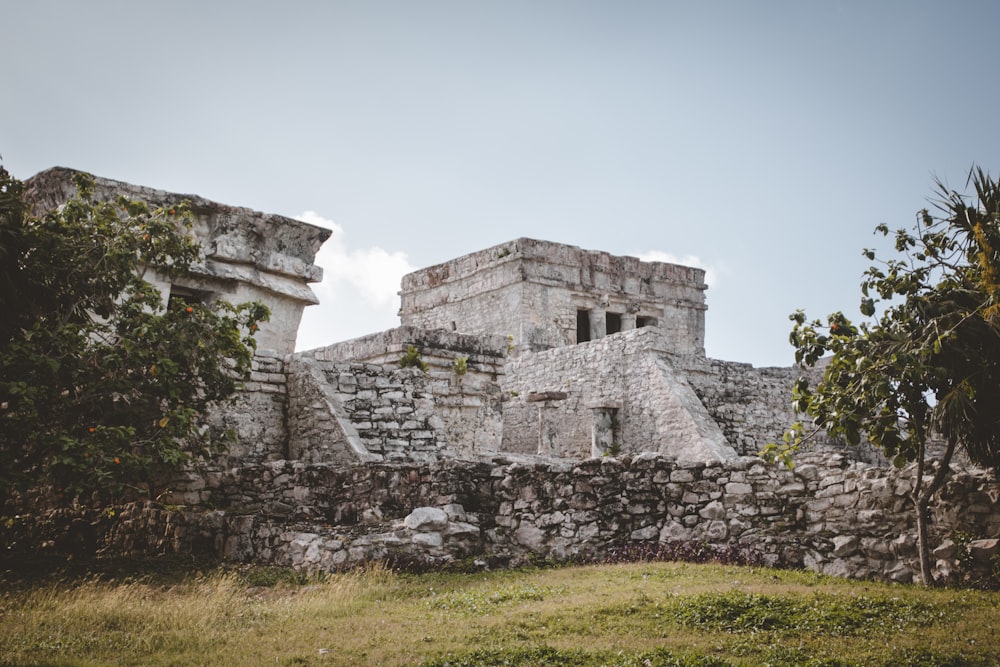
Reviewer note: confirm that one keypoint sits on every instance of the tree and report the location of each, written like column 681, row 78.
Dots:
column 927, row 363
column 103, row 386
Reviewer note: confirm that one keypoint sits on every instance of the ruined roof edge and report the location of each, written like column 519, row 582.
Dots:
column 527, row 248
column 293, row 255
column 52, row 187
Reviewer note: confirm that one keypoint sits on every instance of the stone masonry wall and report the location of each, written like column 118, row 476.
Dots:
column 479, row 293
column 467, row 407
column 491, row 402
column 257, row 415
column 850, row 520
column 348, row 412
column 248, row 255
column 753, row 406
column 319, row 429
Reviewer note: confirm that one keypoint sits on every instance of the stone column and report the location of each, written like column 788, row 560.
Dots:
column 598, row 324
column 548, row 433
column 606, row 439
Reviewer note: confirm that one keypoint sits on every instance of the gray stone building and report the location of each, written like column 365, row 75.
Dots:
column 547, row 295
column 573, row 353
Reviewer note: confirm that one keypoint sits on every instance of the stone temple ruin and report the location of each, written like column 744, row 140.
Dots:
column 567, row 354
column 567, row 407
column 248, row 255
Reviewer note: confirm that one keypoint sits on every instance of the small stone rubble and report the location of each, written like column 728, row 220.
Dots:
column 427, row 534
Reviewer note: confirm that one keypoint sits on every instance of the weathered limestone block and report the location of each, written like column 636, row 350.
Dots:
column 982, row 551
column 946, row 550
column 459, row 530
column 681, row 476
column 645, row 534
column 714, row 531
column 845, row 546
column 900, row 573
column 713, row 511
column 426, row 519
column 807, row 472
column 738, row 489
column 428, row 539
column 530, row 536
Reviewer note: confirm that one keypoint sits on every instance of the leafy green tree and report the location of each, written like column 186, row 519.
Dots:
column 927, row 363
column 102, row 386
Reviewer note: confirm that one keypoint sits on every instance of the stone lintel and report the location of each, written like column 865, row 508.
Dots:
column 538, row 397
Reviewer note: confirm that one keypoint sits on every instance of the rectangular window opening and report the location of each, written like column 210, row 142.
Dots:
column 582, row 326
column 185, row 296
column 613, row 323
column 643, row 321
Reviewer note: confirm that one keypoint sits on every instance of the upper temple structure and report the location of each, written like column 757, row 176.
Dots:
column 548, row 294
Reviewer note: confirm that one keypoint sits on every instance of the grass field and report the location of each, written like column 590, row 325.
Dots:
column 639, row 615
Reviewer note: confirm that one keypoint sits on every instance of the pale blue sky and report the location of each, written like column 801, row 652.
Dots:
column 765, row 139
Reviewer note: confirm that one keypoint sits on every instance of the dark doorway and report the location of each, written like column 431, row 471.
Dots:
column 613, row 323
column 582, row 326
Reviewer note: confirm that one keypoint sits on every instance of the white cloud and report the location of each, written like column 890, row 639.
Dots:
column 359, row 291
column 711, row 272
column 372, row 271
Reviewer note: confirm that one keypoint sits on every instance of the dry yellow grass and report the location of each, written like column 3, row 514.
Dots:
column 642, row 614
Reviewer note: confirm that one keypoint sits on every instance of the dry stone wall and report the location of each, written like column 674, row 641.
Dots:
column 347, row 412
column 851, row 520
column 466, row 405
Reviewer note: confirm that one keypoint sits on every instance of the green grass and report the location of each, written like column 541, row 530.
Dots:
column 641, row 615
